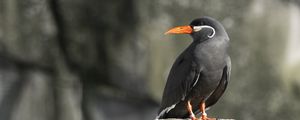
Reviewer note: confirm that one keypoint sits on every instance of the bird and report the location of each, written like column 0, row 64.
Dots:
column 200, row 74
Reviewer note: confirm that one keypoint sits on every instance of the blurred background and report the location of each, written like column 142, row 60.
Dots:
column 109, row 59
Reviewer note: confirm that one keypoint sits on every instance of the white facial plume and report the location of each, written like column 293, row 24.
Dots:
column 198, row 28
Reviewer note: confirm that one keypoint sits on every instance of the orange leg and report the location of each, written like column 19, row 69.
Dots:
column 190, row 110
column 202, row 109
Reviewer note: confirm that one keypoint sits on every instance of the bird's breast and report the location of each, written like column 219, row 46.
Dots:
column 211, row 56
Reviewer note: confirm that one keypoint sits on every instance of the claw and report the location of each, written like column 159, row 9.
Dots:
column 204, row 117
column 193, row 118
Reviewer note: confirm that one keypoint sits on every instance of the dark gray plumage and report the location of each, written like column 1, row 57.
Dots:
column 201, row 72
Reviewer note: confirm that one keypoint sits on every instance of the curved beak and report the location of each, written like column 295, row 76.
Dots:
column 180, row 30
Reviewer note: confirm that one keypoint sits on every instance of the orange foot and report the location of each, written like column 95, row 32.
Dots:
column 211, row 118
column 193, row 118
column 190, row 110
column 203, row 115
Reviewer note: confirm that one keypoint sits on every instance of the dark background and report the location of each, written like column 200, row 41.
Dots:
column 109, row 59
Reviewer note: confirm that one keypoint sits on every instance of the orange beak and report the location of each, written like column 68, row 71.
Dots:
column 180, row 30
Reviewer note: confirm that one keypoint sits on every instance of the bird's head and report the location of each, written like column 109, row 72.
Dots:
column 201, row 29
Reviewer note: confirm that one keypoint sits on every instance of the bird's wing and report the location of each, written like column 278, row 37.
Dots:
column 215, row 96
column 182, row 77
